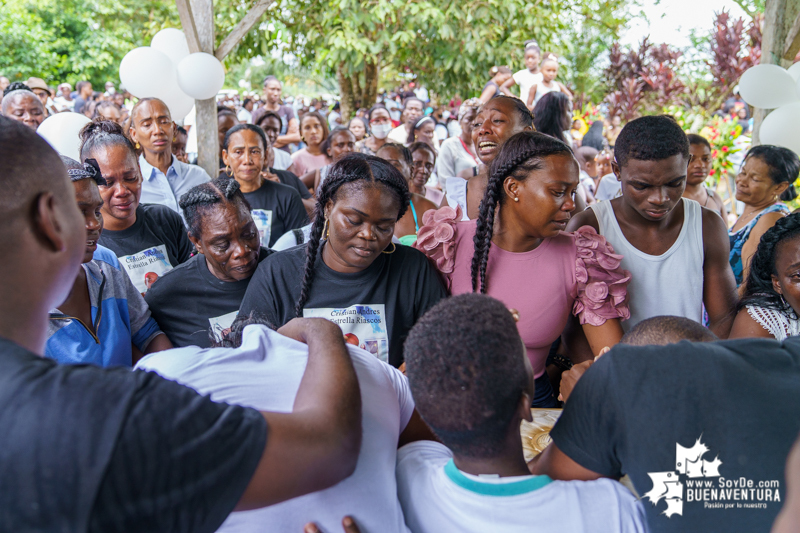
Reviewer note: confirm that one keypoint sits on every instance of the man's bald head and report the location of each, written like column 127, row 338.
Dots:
column 23, row 106
column 663, row 330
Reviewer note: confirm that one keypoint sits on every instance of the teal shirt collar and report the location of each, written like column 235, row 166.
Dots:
column 494, row 489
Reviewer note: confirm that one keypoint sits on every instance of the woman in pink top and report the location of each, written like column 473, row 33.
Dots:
column 535, row 267
column 313, row 131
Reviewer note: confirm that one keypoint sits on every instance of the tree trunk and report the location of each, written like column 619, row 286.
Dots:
column 347, row 97
column 207, row 129
column 371, row 75
column 358, row 92
column 779, row 15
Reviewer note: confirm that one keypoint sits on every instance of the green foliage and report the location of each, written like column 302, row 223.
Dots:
column 70, row 40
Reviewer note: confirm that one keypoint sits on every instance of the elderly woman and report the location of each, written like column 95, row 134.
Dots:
column 24, row 106
column 771, row 300
column 457, row 155
column 767, row 175
column 198, row 301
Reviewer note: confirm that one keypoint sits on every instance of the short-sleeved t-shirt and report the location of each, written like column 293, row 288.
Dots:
column 190, row 299
column 437, row 496
column 265, row 373
column 526, row 79
column 375, row 307
column 276, row 208
column 90, row 449
column 703, row 430
column 306, row 162
column 157, row 242
column 290, row 180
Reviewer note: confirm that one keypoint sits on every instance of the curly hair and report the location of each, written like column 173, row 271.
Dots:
column 518, row 156
column 651, row 138
column 103, row 134
column 465, row 363
column 551, row 115
column 353, row 169
column 759, row 290
column 199, row 199
column 784, row 166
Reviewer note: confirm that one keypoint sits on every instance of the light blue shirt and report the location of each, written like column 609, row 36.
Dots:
column 167, row 190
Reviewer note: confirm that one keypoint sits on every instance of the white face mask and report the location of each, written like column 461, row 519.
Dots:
column 381, row 131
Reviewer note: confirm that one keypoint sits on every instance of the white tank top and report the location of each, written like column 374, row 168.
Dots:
column 541, row 90
column 667, row 284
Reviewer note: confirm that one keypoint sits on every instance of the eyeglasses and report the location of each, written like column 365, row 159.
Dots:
column 421, row 164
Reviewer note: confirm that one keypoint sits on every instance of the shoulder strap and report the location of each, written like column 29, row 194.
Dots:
column 299, row 236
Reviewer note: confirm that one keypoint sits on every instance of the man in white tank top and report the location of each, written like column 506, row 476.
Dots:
column 675, row 250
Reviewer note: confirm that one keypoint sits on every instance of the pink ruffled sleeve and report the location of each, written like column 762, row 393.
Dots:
column 436, row 237
column 602, row 285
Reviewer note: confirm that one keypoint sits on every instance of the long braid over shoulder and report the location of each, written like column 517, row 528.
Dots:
column 359, row 170
column 518, row 156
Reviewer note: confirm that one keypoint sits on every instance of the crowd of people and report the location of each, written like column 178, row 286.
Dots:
column 345, row 326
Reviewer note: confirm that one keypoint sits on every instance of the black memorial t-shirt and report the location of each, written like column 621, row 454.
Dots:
column 156, row 243
column 375, row 307
column 702, row 429
column 189, row 300
column 84, row 448
column 291, row 180
column 276, row 209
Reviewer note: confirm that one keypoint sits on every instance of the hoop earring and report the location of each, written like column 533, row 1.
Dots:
column 325, row 230
column 228, row 170
column 394, row 247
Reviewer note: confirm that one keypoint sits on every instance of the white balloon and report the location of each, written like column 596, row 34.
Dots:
column 794, row 71
column 780, row 127
column 201, row 75
column 178, row 102
column 145, row 71
column 172, row 42
column 61, row 132
column 768, row 87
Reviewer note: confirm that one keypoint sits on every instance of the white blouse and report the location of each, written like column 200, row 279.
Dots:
column 779, row 324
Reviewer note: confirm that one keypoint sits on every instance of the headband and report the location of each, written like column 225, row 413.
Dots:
column 531, row 44
column 90, row 170
column 421, row 121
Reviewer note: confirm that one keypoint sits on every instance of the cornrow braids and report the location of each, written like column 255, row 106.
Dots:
column 102, row 134
column 200, row 198
column 250, row 127
column 518, row 156
column 353, row 168
column 759, row 290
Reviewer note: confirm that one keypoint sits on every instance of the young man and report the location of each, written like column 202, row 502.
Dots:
column 473, row 386
column 703, row 429
column 263, row 370
column 290, row 126
column 412, row 111
column 676, row 251
column 89, row 449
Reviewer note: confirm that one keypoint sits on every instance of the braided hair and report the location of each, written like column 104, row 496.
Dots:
column 200, row 198
column 518, row 156
column 759, row 290
column 103, row 134
column 357, row 169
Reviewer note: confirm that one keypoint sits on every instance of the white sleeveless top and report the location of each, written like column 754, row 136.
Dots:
column 778, row 324
column 541, row 90
column 667, row 284
column 457, row 194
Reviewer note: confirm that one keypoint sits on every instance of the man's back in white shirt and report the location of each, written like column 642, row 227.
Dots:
column 265, row 373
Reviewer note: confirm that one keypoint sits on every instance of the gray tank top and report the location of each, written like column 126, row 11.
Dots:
column 666, row 284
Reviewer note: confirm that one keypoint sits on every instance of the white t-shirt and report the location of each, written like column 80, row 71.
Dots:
column 399, row 135
column 436, row 497
column 525, row 79
column 281, row 159
column 245, row 116
column 265, row 373
column 609, row 188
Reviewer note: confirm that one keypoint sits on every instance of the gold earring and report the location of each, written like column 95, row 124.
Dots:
column 137, row 146
column 228, row 170
column 325, row 230
column 394, row 247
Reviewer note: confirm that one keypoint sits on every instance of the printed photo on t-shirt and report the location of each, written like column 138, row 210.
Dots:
column 363, row 326
column 263, row 221
column 221, row 325
column 145, row 267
